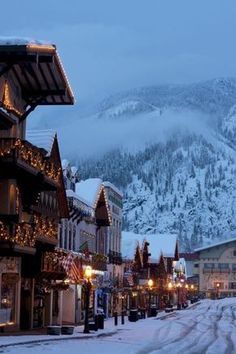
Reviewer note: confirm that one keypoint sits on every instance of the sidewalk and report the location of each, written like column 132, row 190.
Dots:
column 12, row 339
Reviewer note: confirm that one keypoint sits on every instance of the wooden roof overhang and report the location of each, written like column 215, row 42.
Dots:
column 10, row 249
column 102, row 212
column 37, row 72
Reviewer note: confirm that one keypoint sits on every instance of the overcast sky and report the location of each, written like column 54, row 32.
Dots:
column 111, row 45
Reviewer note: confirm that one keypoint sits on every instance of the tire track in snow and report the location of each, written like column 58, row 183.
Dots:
column 210, row 329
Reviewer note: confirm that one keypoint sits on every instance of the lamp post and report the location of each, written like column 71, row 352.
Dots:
column 178, row 295
column 87, row 287
column 150, row 285
column 170, row 286
column 217, row 290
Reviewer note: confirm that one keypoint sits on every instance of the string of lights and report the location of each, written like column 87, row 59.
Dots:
column 31, row 155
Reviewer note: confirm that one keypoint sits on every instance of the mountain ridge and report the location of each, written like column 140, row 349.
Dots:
column 185, row 183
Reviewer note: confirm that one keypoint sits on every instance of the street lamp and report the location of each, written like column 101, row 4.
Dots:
column 87, row 288
column 179, row 285
column 150, row 285
column 170, row 286
column 217, row 289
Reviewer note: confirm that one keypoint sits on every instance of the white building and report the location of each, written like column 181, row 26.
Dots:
column 216, row 268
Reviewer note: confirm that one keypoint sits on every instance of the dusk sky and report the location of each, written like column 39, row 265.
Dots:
column 108, row 46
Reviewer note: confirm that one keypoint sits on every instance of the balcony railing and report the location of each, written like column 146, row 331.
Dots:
column 99, row 262
column 45, row 228
column 21, row 234
column 215, row 270
column 29, row 154
column 52, row 262
column 25, row 234
column 115, row 257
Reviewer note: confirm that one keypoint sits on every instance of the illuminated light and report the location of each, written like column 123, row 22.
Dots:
column 88, row 272
column 32, row 157
column 6, row 101
column 47, row 48
column 65, row 76
column 186, row 286
column 170, row 285
column 150, row 283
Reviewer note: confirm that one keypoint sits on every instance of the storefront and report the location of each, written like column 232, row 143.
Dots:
column 10, row 288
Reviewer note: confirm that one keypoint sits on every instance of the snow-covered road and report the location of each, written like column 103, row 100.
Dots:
column 208, row 328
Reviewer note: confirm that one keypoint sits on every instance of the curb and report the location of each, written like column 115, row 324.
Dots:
column 35, row 341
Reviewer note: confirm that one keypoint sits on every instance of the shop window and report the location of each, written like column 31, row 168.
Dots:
column 8, row 297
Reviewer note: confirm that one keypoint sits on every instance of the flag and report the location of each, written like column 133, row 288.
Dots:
column 72, row 267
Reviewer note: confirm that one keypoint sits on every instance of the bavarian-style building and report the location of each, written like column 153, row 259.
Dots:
column 32, row 192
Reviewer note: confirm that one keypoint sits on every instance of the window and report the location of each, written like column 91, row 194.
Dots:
column 232, row 285
column 234, row 266
column 223, row 265
column 8, row 297
column 209, row 265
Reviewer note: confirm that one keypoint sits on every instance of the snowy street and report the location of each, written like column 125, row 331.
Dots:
column 209, row 327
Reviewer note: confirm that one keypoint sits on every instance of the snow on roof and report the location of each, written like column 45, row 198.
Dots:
column 71, row 193
column 158, row 244
column 22, row 41
column 65, row 163
column 41, row 138
column 89, row 189
column 215, row 245
column 110, row 185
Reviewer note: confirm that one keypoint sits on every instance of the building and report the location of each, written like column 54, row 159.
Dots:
column 216, row 267
column 114, row 285
column 31, row 185
column 85, row 233
column 149, row 257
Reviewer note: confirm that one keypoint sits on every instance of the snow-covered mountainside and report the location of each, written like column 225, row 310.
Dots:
column 183, row 177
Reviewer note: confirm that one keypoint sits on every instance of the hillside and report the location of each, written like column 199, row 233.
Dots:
column 181, row 175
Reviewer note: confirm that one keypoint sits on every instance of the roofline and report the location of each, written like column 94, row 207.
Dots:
column 31, row 48
column 112, row 186
column 215, row 245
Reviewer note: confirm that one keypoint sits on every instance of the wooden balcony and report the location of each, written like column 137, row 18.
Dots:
column 51, row 266
column 17, row 238
column 20, row 158
column 22, row 237
column 99, row 262
column 46, row 231
column 115, row 257
column 216, row 271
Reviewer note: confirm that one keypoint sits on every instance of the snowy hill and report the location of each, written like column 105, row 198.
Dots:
column 171, row 149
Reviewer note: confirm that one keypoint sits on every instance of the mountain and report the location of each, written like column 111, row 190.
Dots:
column 181, row 175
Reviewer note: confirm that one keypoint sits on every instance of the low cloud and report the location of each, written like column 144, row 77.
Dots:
column 94, row 136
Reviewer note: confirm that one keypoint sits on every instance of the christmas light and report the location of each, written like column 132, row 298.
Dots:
column 7, row 103
column 31, row 155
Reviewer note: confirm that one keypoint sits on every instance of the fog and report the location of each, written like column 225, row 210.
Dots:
column 94, row 136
